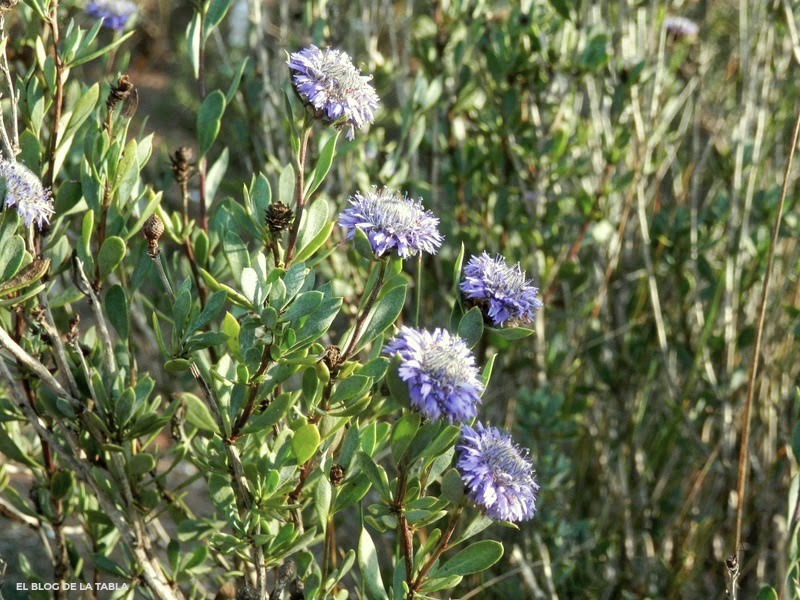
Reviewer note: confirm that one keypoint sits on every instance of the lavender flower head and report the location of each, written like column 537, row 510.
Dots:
column 502, row 291
column 440, row 371
column 392, row 222
column 498, row 474
column 25, row 191
column 339, row 93
column 680, row 27
column 115, row 13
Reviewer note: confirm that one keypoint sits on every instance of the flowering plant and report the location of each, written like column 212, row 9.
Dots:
column 376, row 299
column 163, row 347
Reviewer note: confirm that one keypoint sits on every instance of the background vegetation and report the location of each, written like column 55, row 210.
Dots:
column 635, row 174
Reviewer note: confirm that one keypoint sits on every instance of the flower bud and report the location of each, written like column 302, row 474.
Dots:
column 153, row 229
column 182, row 164
column 337, row 474
column 278, row 217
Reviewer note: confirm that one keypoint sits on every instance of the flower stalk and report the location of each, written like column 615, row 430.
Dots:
column 362, row 317
column 301, row 199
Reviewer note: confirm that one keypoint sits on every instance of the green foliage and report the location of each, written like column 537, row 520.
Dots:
column 227, row 382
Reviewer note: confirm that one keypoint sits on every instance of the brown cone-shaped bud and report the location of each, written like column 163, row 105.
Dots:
column 286, row 573
column 337, row 474
column 182, row 164
column 333, row 359
column 153, row 229
column 123, row 91
column 247, row 592
column 278, row 217
column 72, row 334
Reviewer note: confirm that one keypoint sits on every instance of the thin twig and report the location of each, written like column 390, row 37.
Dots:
column 13, row 94
column 97, row 309
column 362, row 317
column 440, row 549
column 751, row 378
column 58, row 102
column 301, row 199
column 152, row 577
column 162, row 275
column 60, row 354
column 34, row 365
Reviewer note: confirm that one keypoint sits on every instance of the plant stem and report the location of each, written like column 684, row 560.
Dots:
column 10, row 146
column 253, row 392
column 202, row 164
column 751, row 378
column 162, row 275
column 152, row 576
column 301, row 183
column 362, row 317
column 58, row 103
column 400, row 510
column 418, row 291
column 441, row 548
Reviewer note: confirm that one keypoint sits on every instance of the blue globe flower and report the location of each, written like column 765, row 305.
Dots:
column 681, row 27
column 115, row 13
column 501, row 291
column 392, row 222
column 25, row 192
column 329, row 82
column 440, row 370
column 498, row 475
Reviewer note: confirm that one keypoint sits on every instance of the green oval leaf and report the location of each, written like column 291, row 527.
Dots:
column 214, row 14
column 512, row 333
column 322, row 500
column 305, row 442
column 313, row 221
column 349, row 388
column 197, row 413
column 141, row 464
column 402, row 434
column 177, row 365
column 11, row 255
column 472, row 559
column 383, row 315
column 470, row 328
column 370, row 569
column 208, row 120
column 324, row 163
column 767, row 593
column 61, row 484
column 117, row 310
column 111, row 255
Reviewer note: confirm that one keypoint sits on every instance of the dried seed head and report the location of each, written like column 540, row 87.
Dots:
column 125, row 92
column 152, row 229
column 278, row 217
column 182, row 164
column 286, row 573
column 247, row 592
column 74, row 331
column 333, row 359
column 337, row 474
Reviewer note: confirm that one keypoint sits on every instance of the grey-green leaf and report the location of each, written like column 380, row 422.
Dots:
column 370, row 569
column 208, row 120
column 111, row 254
column 473, row 559
column 117, row 310
column 470, row 328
